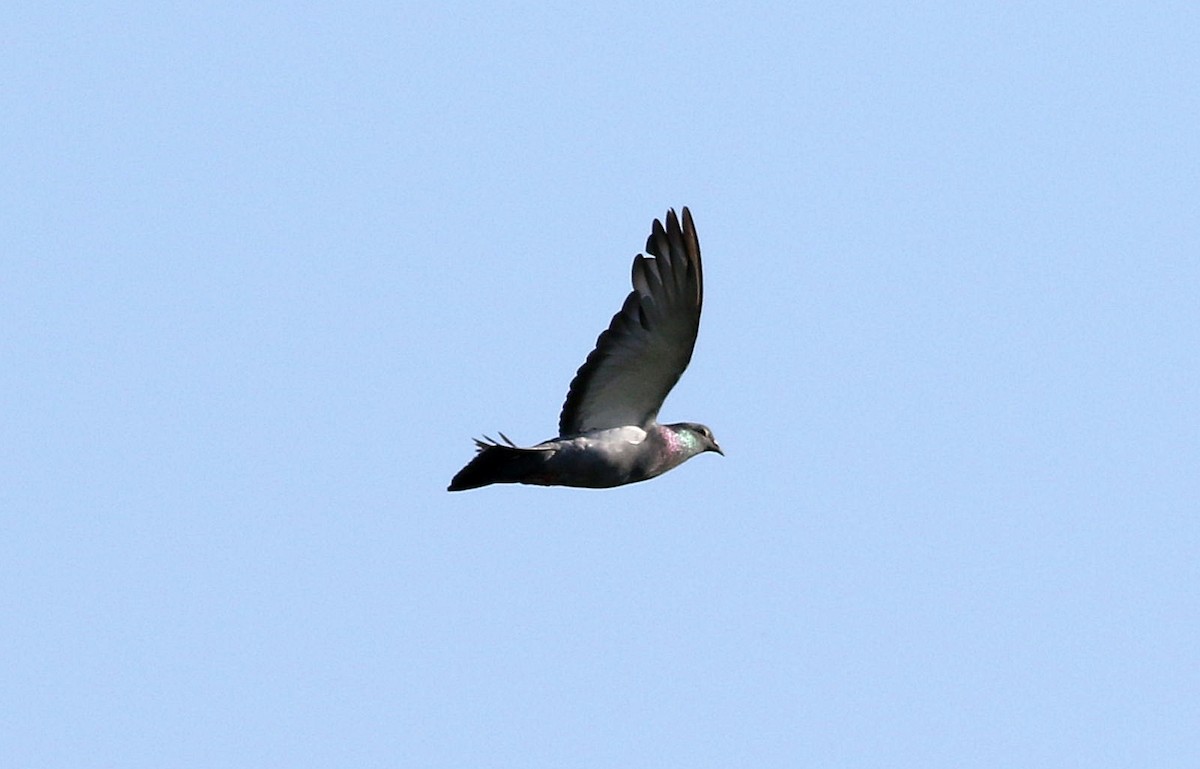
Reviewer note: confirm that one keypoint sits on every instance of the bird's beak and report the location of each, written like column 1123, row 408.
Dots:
column 717, row 448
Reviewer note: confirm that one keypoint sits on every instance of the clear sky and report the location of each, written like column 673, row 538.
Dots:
column 269, row 267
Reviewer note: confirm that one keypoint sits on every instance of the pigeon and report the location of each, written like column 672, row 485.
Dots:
column 608, row 431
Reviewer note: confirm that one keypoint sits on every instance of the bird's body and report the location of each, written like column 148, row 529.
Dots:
column 608, row 430
column 598, row 459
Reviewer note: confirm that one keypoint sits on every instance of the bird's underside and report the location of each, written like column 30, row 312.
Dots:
column 600, row 459
column 608, row 429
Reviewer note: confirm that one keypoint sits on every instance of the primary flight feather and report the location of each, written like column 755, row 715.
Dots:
column 609, row 433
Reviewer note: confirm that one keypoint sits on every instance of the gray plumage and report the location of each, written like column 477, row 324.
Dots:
column 609, row 433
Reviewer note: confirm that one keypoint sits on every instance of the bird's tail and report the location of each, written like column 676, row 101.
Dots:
column 498, row 462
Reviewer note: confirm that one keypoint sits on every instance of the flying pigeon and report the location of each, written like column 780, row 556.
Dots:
column 608, row 431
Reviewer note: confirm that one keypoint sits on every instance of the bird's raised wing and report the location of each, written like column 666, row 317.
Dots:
column 649, row 342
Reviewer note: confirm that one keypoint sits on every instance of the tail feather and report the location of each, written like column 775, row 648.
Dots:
column 497, row 462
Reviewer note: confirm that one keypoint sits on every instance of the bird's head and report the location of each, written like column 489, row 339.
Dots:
column 696, row 438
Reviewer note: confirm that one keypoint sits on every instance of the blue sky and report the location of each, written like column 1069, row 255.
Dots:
column 268, row 268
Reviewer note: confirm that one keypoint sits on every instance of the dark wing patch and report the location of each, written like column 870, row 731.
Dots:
column 649, row 342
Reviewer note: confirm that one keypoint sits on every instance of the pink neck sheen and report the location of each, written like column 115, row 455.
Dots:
column 673, row 441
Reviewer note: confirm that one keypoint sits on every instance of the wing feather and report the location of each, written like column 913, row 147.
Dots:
column 649, row 342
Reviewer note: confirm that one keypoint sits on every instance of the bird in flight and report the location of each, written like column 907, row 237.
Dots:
column 608, row 431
